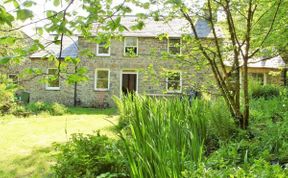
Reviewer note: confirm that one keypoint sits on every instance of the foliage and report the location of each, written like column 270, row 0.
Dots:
column 53, row 108
column 265, row 91
column 260, row 152
column 150, row 136
column 7, row 96
column 166, row 136
column 90, row 156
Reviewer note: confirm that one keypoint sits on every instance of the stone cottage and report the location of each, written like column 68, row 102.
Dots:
column 132, row 64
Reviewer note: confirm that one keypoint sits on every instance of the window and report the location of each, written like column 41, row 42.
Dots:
column 258, row 77
column 53, row 82
column 131, row 46
column 13, row 78
column 174, row 82
column 103, row 49
column 102, row 79
column 174, row 46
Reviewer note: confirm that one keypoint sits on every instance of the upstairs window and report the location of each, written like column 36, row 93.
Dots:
column 174, row 46
column 174, row 82
column 102, row 79
column 103, row 49
column 131, row 46
column 53, row 82
column 13, row 78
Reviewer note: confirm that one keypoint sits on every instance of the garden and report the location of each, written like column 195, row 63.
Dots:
column 146, row 137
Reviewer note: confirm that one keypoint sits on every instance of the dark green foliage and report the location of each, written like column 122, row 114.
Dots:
column 90, row 156
column 266, row 92
column 259, row 152
column 165, row 137
column 7, row 96
column 53, row 108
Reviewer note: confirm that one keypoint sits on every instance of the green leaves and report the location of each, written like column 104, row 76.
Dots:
column 5, row 59
column 29, row 3
column 24, row 14
column 56, row 2
column 7, row 40
column 5, row 17
column 140, row 24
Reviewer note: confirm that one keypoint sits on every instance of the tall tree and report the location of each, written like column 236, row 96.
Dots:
column 249, row 27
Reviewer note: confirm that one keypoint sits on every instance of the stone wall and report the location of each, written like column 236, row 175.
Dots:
column 148, row 62
column 150, row 65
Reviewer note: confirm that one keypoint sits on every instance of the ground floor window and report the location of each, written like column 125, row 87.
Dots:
column 53, row 82
column 13, row 78
column 174, row 82
column 257, row 77
column 102, row 79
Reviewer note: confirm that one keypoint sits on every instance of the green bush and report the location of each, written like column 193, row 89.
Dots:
column 54, row 108
column 7, row 96
column 266, row 92
column 57, row 109
column 90, row 156
column 20, row 111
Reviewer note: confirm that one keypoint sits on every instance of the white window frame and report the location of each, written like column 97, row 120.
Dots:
column 167, row 80
column 47, row 83
column 102, row 54
column 137, row 45
column 17, row 82
column 96, row 79
column 168, row 45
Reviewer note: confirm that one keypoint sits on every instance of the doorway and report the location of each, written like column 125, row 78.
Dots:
column 129, row 82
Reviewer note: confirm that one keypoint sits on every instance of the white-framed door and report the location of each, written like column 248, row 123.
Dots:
column 129, row 81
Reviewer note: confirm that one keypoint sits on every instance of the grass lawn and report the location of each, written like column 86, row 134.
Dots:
column 26, row 144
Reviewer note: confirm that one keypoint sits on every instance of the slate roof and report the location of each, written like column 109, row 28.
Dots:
column 70, row 47
column 269, row 63
column 174, row 28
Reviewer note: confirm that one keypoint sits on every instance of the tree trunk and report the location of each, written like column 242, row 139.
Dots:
column 245, row 119
column 75, row 94
column 285, row 80
column 75, row 89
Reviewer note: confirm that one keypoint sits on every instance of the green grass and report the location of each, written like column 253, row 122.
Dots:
column 27, row 143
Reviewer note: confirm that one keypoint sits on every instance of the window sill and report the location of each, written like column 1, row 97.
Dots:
column 101, row 90
column 52, row 89
column 103, row 55
column 174, row 92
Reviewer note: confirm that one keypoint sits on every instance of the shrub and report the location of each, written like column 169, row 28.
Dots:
column 54, row 108
column 57, row 109
column 90, row 156
column 21, row 111
column 266, row 92
column 7, row 96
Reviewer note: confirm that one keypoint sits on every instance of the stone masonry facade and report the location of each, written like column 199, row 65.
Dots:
column 149, row 60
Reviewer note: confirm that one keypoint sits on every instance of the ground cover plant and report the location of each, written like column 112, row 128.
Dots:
column 52, row 108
